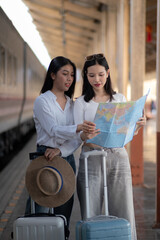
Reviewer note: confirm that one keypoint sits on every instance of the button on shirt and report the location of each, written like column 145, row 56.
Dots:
column 55, row 126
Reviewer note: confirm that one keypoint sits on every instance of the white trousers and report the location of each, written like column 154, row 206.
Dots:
column 119, row 182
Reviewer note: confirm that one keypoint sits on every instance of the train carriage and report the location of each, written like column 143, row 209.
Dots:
column 21, row 77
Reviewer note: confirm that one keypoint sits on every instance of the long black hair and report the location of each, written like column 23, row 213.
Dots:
column 87, row 89
column 54, row 67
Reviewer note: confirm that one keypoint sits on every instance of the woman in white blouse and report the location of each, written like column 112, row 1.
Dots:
column 97, row 88
column 53, row 117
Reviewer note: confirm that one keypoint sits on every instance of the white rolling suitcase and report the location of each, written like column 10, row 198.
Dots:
column 40, row 227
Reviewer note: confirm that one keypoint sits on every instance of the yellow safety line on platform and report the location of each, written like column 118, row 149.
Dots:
column 9, row 209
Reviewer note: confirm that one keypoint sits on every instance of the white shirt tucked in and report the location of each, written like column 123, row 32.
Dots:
column 87, row 110
column 55, row 126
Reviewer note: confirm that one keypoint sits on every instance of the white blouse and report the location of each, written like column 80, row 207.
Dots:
column 87, row 110
column 55, row 127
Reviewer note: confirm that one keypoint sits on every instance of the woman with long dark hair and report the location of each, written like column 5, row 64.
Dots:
column 97, row 88
column 53, row 116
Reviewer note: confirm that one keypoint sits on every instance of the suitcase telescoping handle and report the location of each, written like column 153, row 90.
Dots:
column 104, row 155
column 33, row 209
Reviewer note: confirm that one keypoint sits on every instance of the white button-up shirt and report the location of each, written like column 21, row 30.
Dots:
column 54, row 126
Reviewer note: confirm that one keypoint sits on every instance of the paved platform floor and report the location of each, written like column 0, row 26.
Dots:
column 144, row 196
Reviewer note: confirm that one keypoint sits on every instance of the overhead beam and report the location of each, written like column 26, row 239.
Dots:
column 89, row 24
column 75, row 21
column 68, row 7
column 49, row 31
column 46, row 19
column 69, row 36
column 61, row 49
column 81, row 31
column 45, row 11
column 88, row 12
column 70, row 29
column 81, row 22
column 71, row 55
column 58, row 47
column 56, row 44
column 50, row 3
column 68, row 44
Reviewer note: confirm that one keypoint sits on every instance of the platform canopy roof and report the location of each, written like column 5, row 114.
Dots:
column 68, row 27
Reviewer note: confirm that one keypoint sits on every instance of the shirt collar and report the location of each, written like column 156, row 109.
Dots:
column 53, row 96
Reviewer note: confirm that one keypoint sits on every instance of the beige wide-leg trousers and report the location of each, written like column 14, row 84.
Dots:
column 119, row 182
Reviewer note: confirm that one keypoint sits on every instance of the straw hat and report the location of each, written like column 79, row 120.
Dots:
column 50, row 184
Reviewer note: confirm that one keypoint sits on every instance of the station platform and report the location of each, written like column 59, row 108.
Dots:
column 13, row 194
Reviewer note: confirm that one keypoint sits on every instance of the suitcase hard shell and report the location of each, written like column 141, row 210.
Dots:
column 102, row 227
column 106, row 228
column 39, row 228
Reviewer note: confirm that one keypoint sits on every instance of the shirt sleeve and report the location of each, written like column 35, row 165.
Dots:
column 119, row 97
column 46, row 119
column 69, row 147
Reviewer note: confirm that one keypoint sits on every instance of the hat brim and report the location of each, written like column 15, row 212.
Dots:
column 69, row 181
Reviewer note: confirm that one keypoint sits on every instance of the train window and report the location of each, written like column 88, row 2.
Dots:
column 14, row 77
column 34, row 79
column 2, row 65
column 9, row 69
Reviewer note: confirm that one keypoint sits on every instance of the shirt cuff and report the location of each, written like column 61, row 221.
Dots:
column 79, row 137
column 64, row 151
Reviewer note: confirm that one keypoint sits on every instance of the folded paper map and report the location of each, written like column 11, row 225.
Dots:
column 117, row 122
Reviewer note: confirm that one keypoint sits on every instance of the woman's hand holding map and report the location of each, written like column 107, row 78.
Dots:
column 140, row 123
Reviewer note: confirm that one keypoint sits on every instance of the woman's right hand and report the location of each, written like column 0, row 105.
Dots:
column 86, row 126
column 89, row 130
column 50, row 153
column 85, row 136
